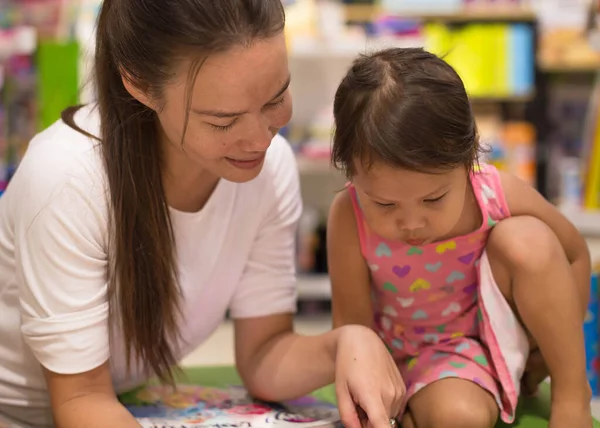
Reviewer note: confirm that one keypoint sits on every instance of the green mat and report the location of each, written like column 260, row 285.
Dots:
column 531, row 413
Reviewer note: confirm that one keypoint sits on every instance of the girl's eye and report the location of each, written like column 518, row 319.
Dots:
column 434, row 200
column 382, row 205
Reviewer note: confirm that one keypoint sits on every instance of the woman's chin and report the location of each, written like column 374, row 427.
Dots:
column 241, row 173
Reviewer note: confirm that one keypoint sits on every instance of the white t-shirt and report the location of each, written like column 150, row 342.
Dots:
column 236, row 254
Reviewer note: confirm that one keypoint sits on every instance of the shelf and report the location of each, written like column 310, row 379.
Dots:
column 587, row 222
column 503, row 98
column 308, row 165
column 362, row 13
column 314, row 287
column 566, row 67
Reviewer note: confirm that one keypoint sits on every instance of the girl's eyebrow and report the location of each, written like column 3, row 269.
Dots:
column 429, row 195
column 438, row 190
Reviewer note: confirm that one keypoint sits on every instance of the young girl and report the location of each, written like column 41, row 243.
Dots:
column 452, row 262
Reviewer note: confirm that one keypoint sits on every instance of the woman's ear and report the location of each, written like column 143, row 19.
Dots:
column 138, row 92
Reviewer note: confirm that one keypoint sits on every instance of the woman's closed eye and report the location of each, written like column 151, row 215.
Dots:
column 276, row 103
column 223, row 127
column 227, row 127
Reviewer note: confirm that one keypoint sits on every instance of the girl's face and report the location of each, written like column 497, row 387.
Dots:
column 239, row 101
column 413, row 207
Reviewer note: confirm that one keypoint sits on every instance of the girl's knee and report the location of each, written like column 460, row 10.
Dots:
column 459, row 413
column 523, row 243
column 453, row 403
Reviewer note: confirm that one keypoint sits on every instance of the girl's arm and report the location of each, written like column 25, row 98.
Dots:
column 87, row 399
column 349, row 273
column 522, row 199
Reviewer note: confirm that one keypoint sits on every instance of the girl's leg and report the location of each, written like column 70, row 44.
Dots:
column 407, row 421
column 531, row 269
column 452, row 403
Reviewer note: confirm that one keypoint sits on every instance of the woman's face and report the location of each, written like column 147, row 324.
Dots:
column 239, row 101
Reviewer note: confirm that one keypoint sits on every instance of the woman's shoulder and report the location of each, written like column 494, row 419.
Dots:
column 60, row 165
column 62, row 152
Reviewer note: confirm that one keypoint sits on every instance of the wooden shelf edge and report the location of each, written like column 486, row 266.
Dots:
column 587, row 222
column 361, row 12
column 565, row 67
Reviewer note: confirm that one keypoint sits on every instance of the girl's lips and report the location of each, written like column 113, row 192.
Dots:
column 415, row 242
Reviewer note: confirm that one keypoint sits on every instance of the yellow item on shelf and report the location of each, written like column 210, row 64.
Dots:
column 592, row 185
column 438, row 38
column 478, row 52
column 300, row 20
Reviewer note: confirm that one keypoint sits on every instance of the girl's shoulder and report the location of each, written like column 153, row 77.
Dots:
column 487, row 185
column 485, row 175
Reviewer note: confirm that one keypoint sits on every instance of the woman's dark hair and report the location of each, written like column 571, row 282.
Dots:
column 144, row 40
column 406, row 108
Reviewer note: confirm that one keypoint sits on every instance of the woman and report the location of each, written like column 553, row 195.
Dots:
column 132, row 226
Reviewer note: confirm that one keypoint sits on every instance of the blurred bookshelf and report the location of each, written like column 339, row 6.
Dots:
column 548, row 111
column 547, row 91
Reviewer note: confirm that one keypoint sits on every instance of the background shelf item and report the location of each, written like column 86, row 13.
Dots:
column 587, row 222
column 314, row 287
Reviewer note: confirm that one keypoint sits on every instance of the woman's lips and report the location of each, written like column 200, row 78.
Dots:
column 246, row 164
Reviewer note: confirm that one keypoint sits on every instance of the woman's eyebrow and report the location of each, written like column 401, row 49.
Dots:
column 230, row 114
column 284, row 88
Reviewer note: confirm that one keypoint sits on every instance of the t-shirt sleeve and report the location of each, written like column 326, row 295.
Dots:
column 268, row 284
column 61, row 271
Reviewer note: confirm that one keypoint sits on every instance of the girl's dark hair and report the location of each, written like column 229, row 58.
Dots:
column 145, row 40
column 406, row 108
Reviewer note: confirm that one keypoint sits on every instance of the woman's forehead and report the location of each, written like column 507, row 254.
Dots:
column 242, row 76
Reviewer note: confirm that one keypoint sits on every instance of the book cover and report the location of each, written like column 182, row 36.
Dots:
column 192, row 406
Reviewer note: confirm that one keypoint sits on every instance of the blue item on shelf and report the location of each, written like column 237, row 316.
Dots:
column 590, row 329
column 522, row 58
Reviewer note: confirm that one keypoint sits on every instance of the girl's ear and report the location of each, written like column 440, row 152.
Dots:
column 138, row 91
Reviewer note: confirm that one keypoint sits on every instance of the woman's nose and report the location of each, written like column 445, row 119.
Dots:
column 260, row 136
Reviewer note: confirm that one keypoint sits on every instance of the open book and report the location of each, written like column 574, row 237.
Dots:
column 189, row 406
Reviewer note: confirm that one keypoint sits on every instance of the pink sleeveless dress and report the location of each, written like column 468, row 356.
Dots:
column 428, row 308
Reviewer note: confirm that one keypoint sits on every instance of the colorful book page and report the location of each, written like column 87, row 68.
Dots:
column 192, row 406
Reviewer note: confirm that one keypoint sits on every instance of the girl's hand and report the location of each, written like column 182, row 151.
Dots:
column 535, row 373
column 367, row 379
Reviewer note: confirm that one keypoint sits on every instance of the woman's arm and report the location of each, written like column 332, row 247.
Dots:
column 277, row 364
column 61, row 267
column 349, row 273
column 87, row 399
column 522, row 199
column 274, row 362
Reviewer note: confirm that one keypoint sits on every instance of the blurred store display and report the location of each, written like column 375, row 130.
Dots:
column 529, row 66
